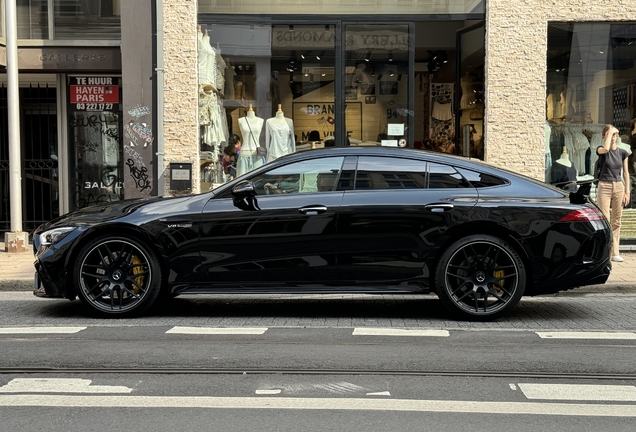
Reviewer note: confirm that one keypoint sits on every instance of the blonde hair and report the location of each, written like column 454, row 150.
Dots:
column 606, row 129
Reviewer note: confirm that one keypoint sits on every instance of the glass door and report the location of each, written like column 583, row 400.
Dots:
column 378, row 85
column 469, row 94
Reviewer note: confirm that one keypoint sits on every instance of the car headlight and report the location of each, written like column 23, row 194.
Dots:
column 50, row 237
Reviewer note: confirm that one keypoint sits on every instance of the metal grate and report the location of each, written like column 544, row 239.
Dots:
column 40, row 189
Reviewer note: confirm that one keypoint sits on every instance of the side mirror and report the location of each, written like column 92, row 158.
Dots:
column 244, row 196
column 244, row 189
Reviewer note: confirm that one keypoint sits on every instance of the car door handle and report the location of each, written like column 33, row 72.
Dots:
column 312, row 210
column 439, row 208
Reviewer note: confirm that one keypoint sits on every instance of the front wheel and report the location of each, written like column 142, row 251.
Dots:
column 480, row 277
column 117, row 276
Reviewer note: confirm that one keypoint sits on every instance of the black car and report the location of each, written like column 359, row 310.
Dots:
column 340, row 220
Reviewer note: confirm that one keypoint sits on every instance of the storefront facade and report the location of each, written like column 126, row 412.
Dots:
column 479, row 78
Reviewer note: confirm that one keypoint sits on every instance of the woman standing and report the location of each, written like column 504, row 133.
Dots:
column 612, row 193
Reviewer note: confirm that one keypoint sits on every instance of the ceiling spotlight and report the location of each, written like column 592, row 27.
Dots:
column 367, row 56
column 390, row 55
column 302, row 56
column 291, row 27
column 317, row 57
column 323, row 74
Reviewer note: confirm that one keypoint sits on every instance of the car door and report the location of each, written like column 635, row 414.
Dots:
column 283, row 235
column 392, row 220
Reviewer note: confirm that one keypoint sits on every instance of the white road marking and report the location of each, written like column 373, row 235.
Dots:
column 384, row 393
column 370, row 331
column 40, row 330
column 218, row 330
column 579, row 392
column 58, row 385
column 340, row 404
column 268, row 392
column 586, row 335
column 513, row 387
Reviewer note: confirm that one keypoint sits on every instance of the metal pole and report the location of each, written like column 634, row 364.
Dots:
column 13, row 103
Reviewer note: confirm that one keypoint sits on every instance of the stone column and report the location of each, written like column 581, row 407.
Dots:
column 180, row 114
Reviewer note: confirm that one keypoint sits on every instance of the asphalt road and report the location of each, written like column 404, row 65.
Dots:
column 289, row 363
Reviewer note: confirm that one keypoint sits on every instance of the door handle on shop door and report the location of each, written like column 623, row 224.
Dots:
column 312, row 210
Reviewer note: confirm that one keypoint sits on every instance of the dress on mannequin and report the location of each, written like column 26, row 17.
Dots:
column 251, row 128
column 279, row 136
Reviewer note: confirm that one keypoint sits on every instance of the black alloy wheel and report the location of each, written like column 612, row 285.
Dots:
column 117, row 276
column 480, row 277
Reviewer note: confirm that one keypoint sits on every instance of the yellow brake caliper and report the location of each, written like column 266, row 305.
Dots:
column 499, row 273
column 136, row 270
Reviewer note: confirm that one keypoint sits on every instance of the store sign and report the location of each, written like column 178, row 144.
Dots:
column 66, row 58
column 94, row 93
column 321, row 38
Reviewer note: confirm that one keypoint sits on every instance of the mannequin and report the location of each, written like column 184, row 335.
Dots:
column 279, row 136
column 562, row 169
column 251, row 128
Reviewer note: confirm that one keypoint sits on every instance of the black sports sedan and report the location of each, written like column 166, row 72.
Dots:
column 339, row 220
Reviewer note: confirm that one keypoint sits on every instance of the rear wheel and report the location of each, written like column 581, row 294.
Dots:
column 117, row 276
column 480, row 277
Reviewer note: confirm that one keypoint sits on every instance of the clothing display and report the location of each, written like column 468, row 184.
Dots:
column 562, row 173
column 279, row 137
column 249, row 158
column 442, row 111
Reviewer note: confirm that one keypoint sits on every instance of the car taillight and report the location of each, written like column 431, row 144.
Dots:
column 582, row 215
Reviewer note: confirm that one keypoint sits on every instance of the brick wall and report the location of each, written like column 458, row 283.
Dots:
column 516, row 45
column 180, row 113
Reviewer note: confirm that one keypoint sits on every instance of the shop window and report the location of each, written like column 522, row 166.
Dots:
column 591, row 81
column 272, row 89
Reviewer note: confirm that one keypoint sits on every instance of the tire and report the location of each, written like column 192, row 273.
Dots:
column 117, row 276
column 480, row 278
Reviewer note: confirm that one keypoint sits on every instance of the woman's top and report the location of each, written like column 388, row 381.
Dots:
column 613, row 164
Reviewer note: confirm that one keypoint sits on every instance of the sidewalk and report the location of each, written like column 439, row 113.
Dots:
column 16, row 273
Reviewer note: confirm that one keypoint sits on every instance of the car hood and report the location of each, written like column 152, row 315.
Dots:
column 98, row 214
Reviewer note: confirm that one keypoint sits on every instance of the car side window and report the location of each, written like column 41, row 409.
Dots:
column 442, row 176
column 309, row 176
column 389, row 173
column 481, row 180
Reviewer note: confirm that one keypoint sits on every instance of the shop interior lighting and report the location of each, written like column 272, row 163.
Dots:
column 390, row 55
column 302, row 56
column 367, row 56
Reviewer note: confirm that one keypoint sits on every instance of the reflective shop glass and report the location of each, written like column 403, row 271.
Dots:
column 71, row 19
column 591, row 82
column 266, row 90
